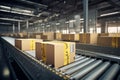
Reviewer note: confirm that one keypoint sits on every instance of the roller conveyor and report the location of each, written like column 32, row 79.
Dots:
column 87, row 66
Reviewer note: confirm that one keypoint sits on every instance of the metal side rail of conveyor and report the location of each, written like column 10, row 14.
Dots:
column 33, row 69
column 93, row 66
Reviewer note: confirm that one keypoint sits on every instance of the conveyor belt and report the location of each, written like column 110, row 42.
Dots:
column 91, row 66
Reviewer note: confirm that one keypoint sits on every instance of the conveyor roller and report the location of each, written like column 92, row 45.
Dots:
column 110, row 74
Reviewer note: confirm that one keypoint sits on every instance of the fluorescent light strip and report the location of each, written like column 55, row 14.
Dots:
column 109, row 14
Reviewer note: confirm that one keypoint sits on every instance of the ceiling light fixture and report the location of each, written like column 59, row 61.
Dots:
column 107, row 14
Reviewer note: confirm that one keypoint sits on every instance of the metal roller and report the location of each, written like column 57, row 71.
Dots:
column 73, row 64
column 93, row 75
column 110, row 74
column 72, row 70
column 79, row 58
column 79, row 74
column 118, row 78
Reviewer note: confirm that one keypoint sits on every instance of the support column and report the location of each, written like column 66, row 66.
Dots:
column 85, row 14
column 92, row 19
column 27, row 26
column 13, row 28
column 19, row 26
column 103, row 26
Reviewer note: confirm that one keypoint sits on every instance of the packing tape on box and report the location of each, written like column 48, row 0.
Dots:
column 84, row 37
column 32, row 44
column 43, row 52
column 69, row 37
column 66, row 54
column 116, row 42
column 113, row 42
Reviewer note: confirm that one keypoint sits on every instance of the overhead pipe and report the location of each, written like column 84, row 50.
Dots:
column 33, row 3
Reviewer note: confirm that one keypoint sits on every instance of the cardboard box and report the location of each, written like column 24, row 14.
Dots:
column 65, row 37
column 55, row 53
column 48, row 36
column 109, row 41
column 71, row 48
column 88, row 38
column 58, row 36
column 74, row 37
column 38, row 37
column 26, row 44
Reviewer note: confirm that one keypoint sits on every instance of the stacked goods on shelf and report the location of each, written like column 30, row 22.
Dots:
column 58, row 36
column 26, row 44
column 88, row 38
column 55, row 53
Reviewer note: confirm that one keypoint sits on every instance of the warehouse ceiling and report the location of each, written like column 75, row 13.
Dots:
column 12, row 11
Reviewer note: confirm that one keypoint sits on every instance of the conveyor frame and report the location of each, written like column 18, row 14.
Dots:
column 34, row 69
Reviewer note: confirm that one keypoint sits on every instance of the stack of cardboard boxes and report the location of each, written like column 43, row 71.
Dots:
column 55, row 53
